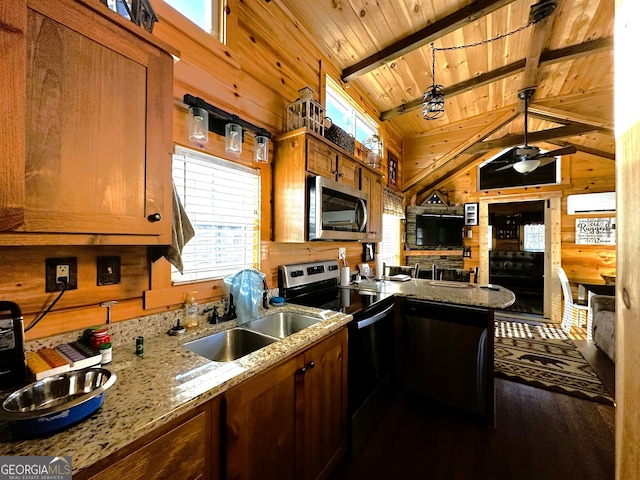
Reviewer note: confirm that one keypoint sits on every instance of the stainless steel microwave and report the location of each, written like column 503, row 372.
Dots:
column 336, row 211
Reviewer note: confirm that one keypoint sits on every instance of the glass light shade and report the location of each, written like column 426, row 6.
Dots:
column 233, row 138
column 526, row 166
column 261, row 149
column 372, row 147
column 433, row 102
column 198, row 125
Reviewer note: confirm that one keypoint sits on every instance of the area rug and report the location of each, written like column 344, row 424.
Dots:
column 544, row 357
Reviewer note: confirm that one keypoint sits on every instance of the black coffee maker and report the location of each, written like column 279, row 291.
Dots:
column 13, row 368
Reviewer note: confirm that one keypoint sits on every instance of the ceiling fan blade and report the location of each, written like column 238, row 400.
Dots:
column 509, row 165
column 545, row 160
column 555, row 153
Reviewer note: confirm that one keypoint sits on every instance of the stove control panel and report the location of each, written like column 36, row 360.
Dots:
column 307, row 273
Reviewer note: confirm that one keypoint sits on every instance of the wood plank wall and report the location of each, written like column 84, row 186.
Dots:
column 582, row 173
column 266, row 60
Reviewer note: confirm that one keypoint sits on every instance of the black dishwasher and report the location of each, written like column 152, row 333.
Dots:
column 447, row 355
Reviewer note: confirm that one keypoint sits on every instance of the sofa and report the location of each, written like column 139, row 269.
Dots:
column 603, row 310
column 520, row 272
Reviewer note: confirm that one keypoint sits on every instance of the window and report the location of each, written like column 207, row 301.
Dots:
column 346, row 114
column 393, row 213
column 222, row 200
column 390, row 244
column 534, row 237
column 204, row 13
column 493, row 175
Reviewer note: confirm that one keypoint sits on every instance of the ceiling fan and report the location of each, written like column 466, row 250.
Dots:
column 527, row 158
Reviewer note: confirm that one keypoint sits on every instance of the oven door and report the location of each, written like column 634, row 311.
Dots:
column 336, row 211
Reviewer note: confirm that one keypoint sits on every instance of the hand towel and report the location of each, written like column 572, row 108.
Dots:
column 182, row 232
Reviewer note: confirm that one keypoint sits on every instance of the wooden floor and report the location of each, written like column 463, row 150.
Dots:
column 539, row 435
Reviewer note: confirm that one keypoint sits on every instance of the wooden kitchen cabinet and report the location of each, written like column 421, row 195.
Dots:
column 88, row 154
column 261, row 425
column 290, row 421
column 371, row 183
column 325, row 402
column 298, row 155
column 186, row 448
column 326, row 161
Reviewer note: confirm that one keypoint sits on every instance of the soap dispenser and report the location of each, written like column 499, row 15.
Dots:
column 191, row 310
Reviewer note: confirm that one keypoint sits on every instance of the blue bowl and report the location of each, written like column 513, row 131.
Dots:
column 57, row 402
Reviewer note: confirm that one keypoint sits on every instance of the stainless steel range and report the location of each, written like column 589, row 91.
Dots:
column 316, row 284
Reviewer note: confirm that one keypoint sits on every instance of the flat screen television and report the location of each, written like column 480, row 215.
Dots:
column 439, row 230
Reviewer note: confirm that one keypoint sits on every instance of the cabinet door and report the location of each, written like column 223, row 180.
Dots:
column 183, row 450
column 348, row 172
column 372, row 184
column 325, row 402
column 97, row 127
column 321, row 158
column 261, row 425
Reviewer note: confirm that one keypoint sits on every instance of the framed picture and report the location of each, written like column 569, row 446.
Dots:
column 368, row 252
column 470, row 214
column 393, row 169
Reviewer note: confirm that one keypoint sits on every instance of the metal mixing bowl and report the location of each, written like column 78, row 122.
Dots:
column 56, row 402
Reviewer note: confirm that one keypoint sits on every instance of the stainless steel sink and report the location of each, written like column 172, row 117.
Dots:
column 229, row 345
column 282, row 324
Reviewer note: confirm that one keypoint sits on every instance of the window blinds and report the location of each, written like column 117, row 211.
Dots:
column 222, row 200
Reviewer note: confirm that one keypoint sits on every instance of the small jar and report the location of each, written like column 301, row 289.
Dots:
column 105, row 351
column 98, row 337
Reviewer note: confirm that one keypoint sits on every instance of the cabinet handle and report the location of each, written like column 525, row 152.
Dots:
column 341, row 174
column 154, row 217
column 310, row 365
column 302, row 370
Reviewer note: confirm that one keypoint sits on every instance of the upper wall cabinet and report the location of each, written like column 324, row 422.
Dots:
column 86, row 132
column 302, row 153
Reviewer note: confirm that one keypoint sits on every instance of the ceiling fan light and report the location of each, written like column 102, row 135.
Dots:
column 526, row 166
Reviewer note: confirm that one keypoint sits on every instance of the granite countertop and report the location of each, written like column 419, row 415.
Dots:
column 458, row 293
column 168, row 381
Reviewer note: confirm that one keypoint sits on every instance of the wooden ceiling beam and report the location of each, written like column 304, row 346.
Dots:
column 463, row 147
column 422, row 195
column 541, row 136
column 547, row 58
column 537, row 41
column 562, row 116
column 582, row 148
column 428, row 34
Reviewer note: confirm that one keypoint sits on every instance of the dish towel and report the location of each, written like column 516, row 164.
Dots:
column 181, row 232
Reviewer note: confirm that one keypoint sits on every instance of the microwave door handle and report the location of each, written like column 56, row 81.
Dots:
column 363, row 205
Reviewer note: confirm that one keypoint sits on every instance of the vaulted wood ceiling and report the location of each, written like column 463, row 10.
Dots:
column 383, row 46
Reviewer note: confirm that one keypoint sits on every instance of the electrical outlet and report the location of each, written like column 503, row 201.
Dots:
column 342, row 252
column 58, row 270
column 62, row 274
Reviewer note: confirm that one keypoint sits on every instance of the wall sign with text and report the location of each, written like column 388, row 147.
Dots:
column 596, row 231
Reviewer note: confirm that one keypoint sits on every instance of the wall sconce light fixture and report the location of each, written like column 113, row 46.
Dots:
column 233, row 138
column 198, row 125
column 261, row 149
column 222, row 123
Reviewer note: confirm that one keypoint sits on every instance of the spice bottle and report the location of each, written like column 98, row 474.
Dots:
column 191, row 310
column 105, row 351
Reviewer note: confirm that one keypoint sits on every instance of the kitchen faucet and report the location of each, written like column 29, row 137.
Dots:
column 265, row 294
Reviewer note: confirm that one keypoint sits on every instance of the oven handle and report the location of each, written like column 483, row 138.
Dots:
column 375, row 318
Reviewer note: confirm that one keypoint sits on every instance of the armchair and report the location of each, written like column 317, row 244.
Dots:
column 603, row 309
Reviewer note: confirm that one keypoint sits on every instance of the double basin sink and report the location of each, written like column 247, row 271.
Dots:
column 237, row 342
